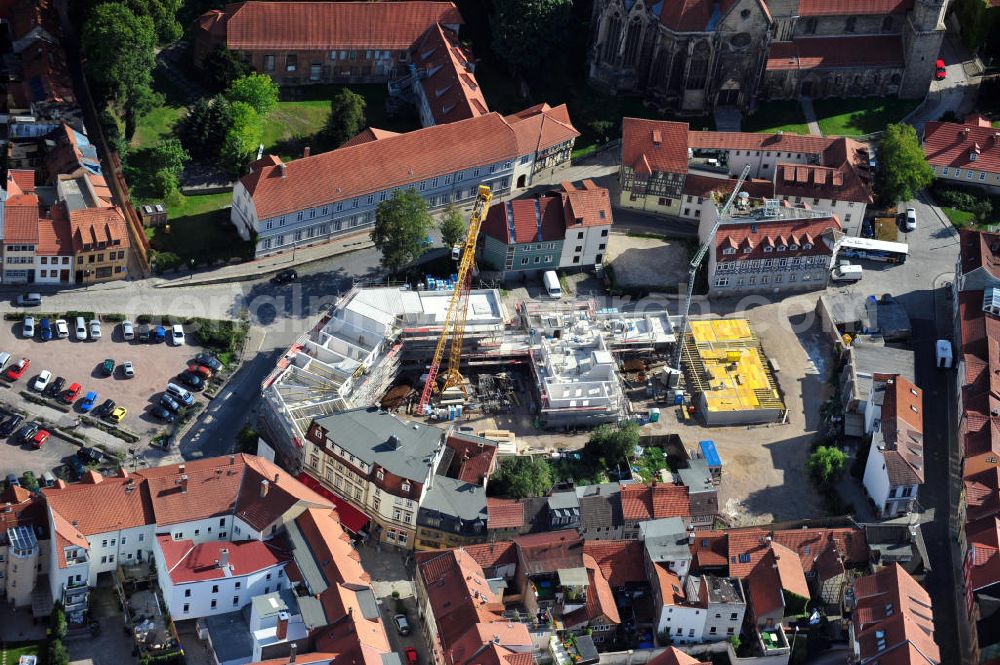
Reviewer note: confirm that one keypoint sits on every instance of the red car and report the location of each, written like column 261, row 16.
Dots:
column 940, row 71
column 72, row 393
column 411, row 656
column 17, row 370
column 40, row 438
column 200, row 370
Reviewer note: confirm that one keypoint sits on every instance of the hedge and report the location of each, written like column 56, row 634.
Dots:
column 108, row 428
column 38, row 399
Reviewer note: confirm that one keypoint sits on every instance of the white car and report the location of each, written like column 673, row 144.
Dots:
column 95, row 329
column 81, row 329
column 28, row 327
column 911, row 219
column 177, row 334
column 128, row 331
column 42, row 382
column 128, row 369
column 62, row 330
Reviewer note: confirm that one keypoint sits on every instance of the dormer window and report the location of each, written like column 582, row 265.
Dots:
column 807, row 245
column 729, row 250
column 781, row 248
column 747, row 250
column 768, row 249
column 973, row 155
column 793, row 247
column 380, row 474
column 405, row 486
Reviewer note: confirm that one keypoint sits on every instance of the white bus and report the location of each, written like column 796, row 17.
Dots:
column 874, row 250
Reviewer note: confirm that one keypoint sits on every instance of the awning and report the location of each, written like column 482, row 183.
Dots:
column 351, row 518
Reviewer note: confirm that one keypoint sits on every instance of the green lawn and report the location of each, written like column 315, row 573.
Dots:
column 12, row 654
column 855, row 117
column 292, row 126
column 960, row 218
column 160, row 121
column 770, row 117
column 202, row 237
column 200, row 204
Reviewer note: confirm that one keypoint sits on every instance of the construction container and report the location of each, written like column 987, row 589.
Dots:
column 654, row 415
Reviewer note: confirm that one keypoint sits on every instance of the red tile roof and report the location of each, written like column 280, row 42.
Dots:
column 764, row 586
column 793, row 578
column 902, row 429
column 450, row 87
column 548, row 552
column 842, row 175
column 984, row 552
column 364, row 136
column 621, row 561
column 45, row 76
column 600, row 602
column 504, row 513
column 325, row 26
column 21, row 224
column 710, row 549
column 533, row 220
column 475, row 457
column 776, row 143
column 894, row 613
column 979, row 249
column 759, row 234
column 284, row 491
column 968, row 146
column 109, row 505
column 383, row 164
column 90, row 226
column 20, row 181
column 54, row 236
column 653, row 502
column 650, row 146
column 853, row 7
column 746, row 548
column 186, row 562
column 541, row 127
column 673, row 656
column 491, row 555
column 982, row 494
column 836, row 52
column 704, row 186
column 850, row 543
column 588, row 205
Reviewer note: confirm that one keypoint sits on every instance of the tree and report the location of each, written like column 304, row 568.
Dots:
column 401, row 225
column 204, row 129
column 527, row 33
column 612, row 445
column 120, row 58
column 246, row 440
column 221, row 67
column 58, row 655
column 520, row 477
column 452, row 226
column 29, row 482
column 57, row 622
column 256, row 90
column 826, row 464
column 243, row 137
column 347, row 117
column 903, row 170
column 165, row 184
column 168, row 154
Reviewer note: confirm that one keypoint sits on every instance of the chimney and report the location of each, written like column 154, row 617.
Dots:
column 224, row 558
column 395, row 442
column 184, row 484
column 180, row 468
column 291, row 653
column 263, row 488
column 232, row 460
column 276, row 477
column 282, row 625
column 281, row 169
column 305, row 152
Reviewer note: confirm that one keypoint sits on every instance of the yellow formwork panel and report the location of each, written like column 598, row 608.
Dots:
column 735, row 373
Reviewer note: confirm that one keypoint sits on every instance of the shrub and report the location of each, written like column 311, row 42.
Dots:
column 826, row 463
column 163, row 261
column 113, row 318
column 57, row 621
column 58, row 655
column 29, row 482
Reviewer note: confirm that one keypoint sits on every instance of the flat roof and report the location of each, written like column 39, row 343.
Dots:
column 738, row 377
column 230, row 635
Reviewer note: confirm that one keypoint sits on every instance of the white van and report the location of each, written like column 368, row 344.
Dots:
column 179, row 394
column 943, row 353
column 4, row 359
column 551, row 283
column 846, row 272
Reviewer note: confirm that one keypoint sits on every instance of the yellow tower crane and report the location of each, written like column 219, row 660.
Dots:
column 454, row 323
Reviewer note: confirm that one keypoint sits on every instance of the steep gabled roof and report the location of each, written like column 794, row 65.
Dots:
column 450, row 86
column 979, row 249
column 967, row 146
column 653, row 502
column 893, row 613
column 836, row 52
column 650, row 146
column 853, row 7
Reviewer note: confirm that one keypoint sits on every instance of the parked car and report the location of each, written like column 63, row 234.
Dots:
column 118, row 413
column 42, row 380
column 108, row 366
column 402, row 625
column 179, row 394
column 209, row 361
column 177, row 334
column 90, row 455
column 940, row 71
column 81, row 329
column 13, row 480
column 27, row 431
column 200, row 370
column 77, row 467
column 72, row 393
column 17, row 370
column 29, row 300
column 167, row 402
column 95, row 329
column 88, row 401
column 159, row 335
column 161, row 413
column 128, row 332
column 62, row 329
column 143, row 332
column 56, row 386
column 911, row 219
column 192, row 381
column 106, row 407
column 128, row 369
column 8, row 426
column 28, row 327
column 285, row 276
column 45, row 330
column 41, row 436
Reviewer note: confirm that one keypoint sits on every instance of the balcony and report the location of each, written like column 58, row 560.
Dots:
column 773, row 641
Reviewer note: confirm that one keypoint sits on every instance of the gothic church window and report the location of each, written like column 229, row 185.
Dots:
column 851, row 20
column 612, row 38
column 632, row 41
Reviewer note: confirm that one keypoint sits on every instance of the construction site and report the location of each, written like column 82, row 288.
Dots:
column 728, row 372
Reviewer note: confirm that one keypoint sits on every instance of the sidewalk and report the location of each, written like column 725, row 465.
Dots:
column 262, row 267
column 810, row 113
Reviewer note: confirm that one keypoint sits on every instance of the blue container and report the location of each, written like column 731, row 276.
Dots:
column 710, row 454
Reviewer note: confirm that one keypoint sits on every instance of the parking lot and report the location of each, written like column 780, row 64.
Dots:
column 80, row 361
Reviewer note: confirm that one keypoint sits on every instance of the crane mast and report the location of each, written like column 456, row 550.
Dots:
column 457, row 309
column 720, row 214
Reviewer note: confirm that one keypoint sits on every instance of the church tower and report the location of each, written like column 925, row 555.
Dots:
column 922, row 37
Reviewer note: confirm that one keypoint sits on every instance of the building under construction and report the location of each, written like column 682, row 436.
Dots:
column 357, row 350
column 728, row 374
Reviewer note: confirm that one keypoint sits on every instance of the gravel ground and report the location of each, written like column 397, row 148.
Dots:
column 654, row 263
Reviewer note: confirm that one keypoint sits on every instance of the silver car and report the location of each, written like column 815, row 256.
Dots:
column 128, row 331
column 28, row 327
column 95, row 329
